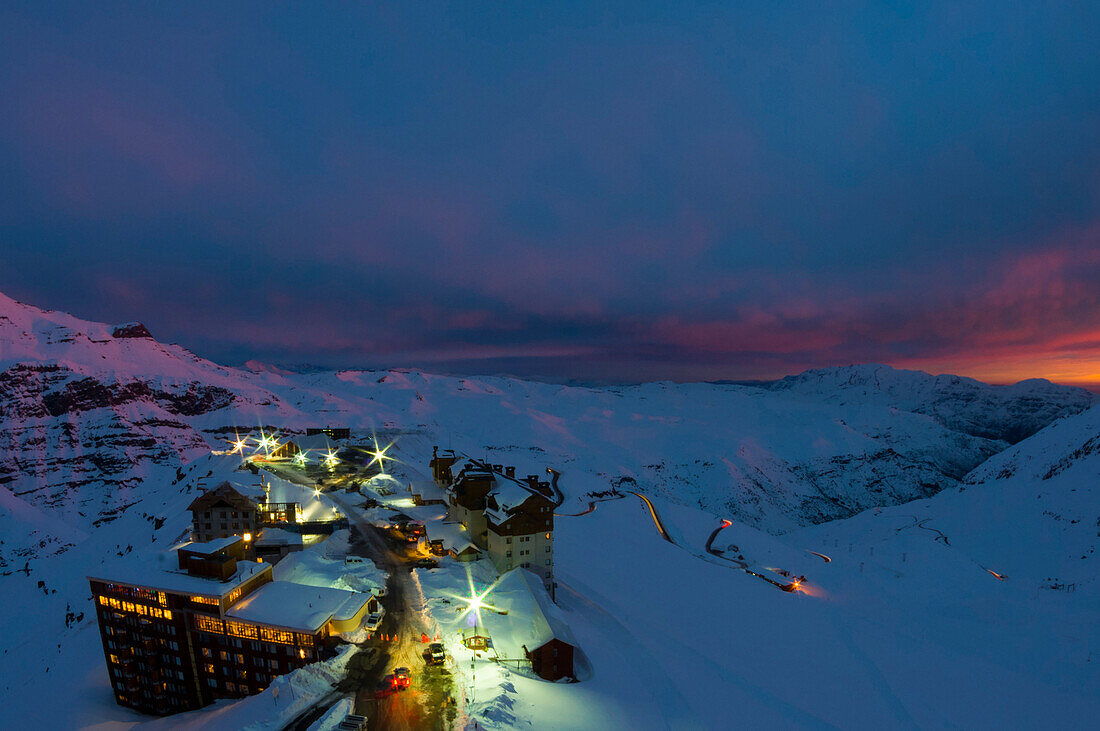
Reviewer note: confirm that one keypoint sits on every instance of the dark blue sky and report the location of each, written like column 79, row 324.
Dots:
column 642, row 190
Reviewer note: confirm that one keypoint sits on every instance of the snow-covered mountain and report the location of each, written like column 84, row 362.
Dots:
column 93, row 414
column 1005, row 413
column 105, row 432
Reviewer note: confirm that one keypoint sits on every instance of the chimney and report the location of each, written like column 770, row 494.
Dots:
column 510, row 471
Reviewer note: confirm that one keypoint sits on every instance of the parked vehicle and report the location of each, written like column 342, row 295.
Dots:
column 353, row 559
column 374, row 620
column 427, row 563
column 435, row 654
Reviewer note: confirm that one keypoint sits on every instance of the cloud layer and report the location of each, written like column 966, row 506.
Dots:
column 665, row 191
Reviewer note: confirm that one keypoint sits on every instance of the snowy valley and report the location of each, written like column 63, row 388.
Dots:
column 960, row 521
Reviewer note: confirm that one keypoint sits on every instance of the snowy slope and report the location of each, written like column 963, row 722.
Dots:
column 1008, row 413
column 90, row 411
column 104, row 432
column 904, row 628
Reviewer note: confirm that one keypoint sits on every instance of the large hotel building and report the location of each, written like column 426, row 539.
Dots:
column 201, row 623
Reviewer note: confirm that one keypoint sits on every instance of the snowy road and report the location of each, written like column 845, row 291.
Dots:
column 399, row 639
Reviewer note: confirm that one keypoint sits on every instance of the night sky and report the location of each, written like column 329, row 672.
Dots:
column 642, row 191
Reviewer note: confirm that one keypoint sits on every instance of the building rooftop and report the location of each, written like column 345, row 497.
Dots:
column 298, row 606
column 320, row 443
column 532, row 619
column 454, row 536
column 209, row 548
column 278, row 537
column 161, row 572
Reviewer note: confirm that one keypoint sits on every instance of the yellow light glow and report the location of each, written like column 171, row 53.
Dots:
column 247, row 537
column 379, row 455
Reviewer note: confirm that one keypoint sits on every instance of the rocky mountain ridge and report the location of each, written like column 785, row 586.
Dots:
column 96, row 418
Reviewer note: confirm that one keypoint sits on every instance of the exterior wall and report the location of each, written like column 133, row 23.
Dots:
column 352, row 623
column 222, row 521
column 552, row 661
column 235, row 659
column 332, row 432
column 146, row 649
column 534, row 551
column 474, row 520
column 168, row 653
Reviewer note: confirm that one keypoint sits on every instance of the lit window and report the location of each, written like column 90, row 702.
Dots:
column 207, row 624
column 240, row 629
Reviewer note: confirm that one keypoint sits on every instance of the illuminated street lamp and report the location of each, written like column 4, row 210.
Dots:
column 331, row 459
column 266, row 443
column 379, row 455
column 238, row 445
column 475, row 602
column 300, row 459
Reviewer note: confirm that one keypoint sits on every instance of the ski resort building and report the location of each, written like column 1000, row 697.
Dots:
column 530, row 627
column 286, row 450
column 226, row 510
column 236, row 509
column 332, row 432
column 204, row 624
column 467, row 499
column 519, row 523
column 509, row 518
column 441, row 466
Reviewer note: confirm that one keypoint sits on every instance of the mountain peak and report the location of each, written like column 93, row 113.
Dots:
column 131, row 330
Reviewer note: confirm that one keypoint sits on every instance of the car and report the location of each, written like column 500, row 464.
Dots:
column 353, row 559
column 435, row 654
column 374, row 621
column 401, row 679
column 427, row 563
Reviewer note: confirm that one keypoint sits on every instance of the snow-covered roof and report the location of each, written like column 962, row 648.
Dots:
column 253, row 490
column 314, row 442
column 549, row 622
column 298, row 606
column 532, row 618
column 453, row 536
column 428, row 490
column 211, row 547
column 278, row 537
column 510, row 493
column 162, row 572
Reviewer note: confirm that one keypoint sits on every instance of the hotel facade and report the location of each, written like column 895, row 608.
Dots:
column 203, row 624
